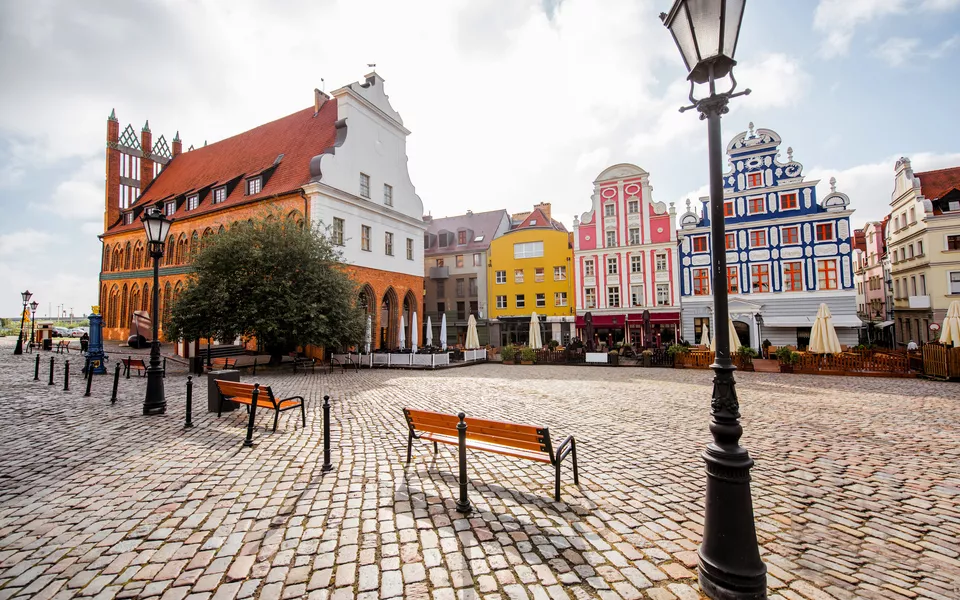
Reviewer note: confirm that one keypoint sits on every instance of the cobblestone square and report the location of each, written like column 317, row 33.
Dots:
column 856, row 488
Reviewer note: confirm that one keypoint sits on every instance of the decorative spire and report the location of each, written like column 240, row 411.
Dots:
column 176, row 138
column 146, row 126
column 833, row 185
column 790, row 153
column 750, row 127
column 113, row 115
column 204, row 143
column 688, row 204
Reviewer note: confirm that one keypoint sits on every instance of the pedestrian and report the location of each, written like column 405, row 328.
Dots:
column 84, row 342
column 912, row 346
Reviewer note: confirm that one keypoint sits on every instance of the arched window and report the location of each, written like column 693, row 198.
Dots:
column 112, row 318
column 127, row 257
column 147, row 299
column 138, row 255
column 134, row 300
column 124, row 307
column 182, row 249
column 194, row 244
column 106, row 259
column 221, row 230
column 206, row 238
column 167, row 299
column 117, row 259
column 171, row 251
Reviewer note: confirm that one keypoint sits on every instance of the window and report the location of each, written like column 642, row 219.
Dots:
column 730, row 241
column 663, row 294
column 954, row 282
column 790, row 235
column 477, row 259
column 441, row 288
column 754, row 180
column 169, row 208
column 518, row 275
column 337, row 237
column 824, row 232
column 441, row 308
column 501, row 276
column 501, row 301
column 609, row 210
column 559, row 273
column 760, row 278
column 913, row 216
column 827, row 274
column 461, row 237
column 613, row 296
column 588, row 268
column 254, row 186
column 472, row 286
column 793, row 276
column 789, row 201
column 897, row 283
column 611, row 239
column 701, row 282
column 128, row 218
column 612, row 266
column 538, row 274
column 459, row 261
column 219, row 194
column 365, row 238
column 636, row 295
column 634, row 236
column 953, row 242
column 633, row 207
column 910, row 251
column 193, row 201
column 728, row 209
column 459, row 288
column 758, row 238
column 661, row 261
column 590, row 297
column 388, row 243
column 528, row 250
column 388, row 194
column 541, row 300
column 636, row 264
column 913, row 285
column 733, row 280
column 409, row 248
column 364, row 185
column 439, row 262
column 756, row 205
column 699, row 244
column 919, row 247
column 520, row 301
column 559, row 298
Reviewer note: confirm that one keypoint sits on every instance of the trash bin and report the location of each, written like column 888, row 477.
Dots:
column 47, row 344
column 213, row 395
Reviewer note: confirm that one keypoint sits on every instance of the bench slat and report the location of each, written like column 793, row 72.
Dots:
column 489, row 447
column 446, row 425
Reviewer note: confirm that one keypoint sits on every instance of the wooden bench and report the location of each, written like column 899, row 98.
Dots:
column 302, row 362
column 244, row 393
column 63, row 346
column 510, row 439
column 222, row 364
column 140, row 365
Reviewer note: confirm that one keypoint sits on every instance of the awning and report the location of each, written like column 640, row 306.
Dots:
column 619, row 320
column 884, row 324
column 838, row 321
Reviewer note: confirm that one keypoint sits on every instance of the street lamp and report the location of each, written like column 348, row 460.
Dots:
column 25, row 296
column 157, row 226
column 33, row 320
column 729, row 564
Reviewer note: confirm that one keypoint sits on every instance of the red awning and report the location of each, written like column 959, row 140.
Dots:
column 634, row 318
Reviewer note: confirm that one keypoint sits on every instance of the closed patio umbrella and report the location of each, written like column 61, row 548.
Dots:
column 535, row 341
column 429, row 331
column 734, row 339
column 950, row 330
column 705, row 338
column 368, row 335
column 443, row 332
column 414, row 333
column 473, row 340
column 823, row 336
column 403, row 333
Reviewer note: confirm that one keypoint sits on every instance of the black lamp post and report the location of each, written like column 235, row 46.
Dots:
column 157, row 226
column 729, row 565
column 25, row 296
column 760, row 333
column 33, row 321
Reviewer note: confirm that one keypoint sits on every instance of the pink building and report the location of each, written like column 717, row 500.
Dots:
column 868, row 273
column 625, row 255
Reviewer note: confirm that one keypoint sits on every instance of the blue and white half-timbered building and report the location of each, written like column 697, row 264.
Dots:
column 787, row 251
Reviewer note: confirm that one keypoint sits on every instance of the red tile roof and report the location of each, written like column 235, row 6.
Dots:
column 937, row 184
column 298, row 137
column 542, row 220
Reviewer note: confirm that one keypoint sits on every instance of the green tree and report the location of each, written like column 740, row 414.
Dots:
column 272, row 279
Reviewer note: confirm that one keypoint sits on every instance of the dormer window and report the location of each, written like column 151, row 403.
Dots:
column 219, row 194
column 128, row 218
column 533, row 221
column 193, row 201
column 364, row 185
column 754, row 180
column 254, row 186
column 461, row 238
column 169, row 207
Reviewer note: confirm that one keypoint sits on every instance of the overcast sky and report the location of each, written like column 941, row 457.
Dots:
column 511, row 102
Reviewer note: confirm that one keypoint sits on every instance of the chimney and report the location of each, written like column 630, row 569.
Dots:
column 427, row 219
column 146, row 163
column 177, row 145
column 111, row 211
column 545, row 207
column 319, row 99
column 469, row 213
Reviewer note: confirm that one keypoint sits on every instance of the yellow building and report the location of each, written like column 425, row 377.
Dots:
column 530, row 270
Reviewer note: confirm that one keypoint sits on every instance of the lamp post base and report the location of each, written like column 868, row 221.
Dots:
column 18, row 349
column 155, row 403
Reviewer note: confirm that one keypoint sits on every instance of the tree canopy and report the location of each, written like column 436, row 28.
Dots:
column 272, row 279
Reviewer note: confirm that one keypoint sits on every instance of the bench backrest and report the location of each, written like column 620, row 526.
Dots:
column 133, row 361
column 513, row 435
column 244, row 391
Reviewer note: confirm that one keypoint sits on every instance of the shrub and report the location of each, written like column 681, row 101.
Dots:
column 746, row 352
column 647, row 352
column 675, row 349
column 552, row 344
column 787, row 356
column 528, row 354
column 509, row 353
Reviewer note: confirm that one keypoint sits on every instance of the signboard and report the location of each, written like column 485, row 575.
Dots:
column 934, row 326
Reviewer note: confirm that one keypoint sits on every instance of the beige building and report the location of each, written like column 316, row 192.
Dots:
column 923, row 242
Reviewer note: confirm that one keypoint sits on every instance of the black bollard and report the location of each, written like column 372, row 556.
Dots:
column 86, row 394
column 253, row 413
column 189, row 422
column 463, row 504
column 164, row 367
column 254, row 366
column 51, row 372
column 66, row 375
column 116, row 382
column 327, row 467
column 129, row 358
column 36, row 369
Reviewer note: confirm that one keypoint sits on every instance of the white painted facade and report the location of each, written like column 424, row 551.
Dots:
column 371, row 141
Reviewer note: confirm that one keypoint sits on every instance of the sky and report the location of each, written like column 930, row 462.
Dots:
column 510, row 102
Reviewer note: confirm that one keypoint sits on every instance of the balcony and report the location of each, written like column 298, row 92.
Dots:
column 439, row 272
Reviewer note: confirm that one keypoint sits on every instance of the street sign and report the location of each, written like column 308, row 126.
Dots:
column 934, row 326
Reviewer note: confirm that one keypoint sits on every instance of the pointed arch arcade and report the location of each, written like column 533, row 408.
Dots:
column 389, row 321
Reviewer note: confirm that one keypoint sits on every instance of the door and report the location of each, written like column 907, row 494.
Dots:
column 743, row 333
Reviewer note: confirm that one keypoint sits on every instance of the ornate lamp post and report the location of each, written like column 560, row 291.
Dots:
column 157, row 226
column 729, row 565
column 33, row 321
column 25, row 296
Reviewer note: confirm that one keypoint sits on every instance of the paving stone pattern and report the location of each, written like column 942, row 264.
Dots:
column 856, row 488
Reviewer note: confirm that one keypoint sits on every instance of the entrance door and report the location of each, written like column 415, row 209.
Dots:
column 743, row 332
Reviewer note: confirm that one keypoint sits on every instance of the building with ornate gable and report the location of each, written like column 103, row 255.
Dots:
column 787, row 251
column 625, row 260
column 340, row 164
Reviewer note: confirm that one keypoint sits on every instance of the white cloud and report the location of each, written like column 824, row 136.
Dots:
column 839, row 19
column 897, row 51
column 22, row 243
column 594, row 161
column 81, row 196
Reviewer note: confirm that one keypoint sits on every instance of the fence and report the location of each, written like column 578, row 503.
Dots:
column 695, row 359
column 867, row 361
column 940, row 361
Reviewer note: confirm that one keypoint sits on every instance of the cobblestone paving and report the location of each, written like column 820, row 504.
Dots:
column 856, row 489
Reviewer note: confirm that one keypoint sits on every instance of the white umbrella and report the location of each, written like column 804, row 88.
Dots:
column 734, row 339
column 823, row 336
column 414, row 333
column 403, row 334
column 429, row 331
column 473, row 340
column 443, row 332
column 705, row 338
column 535, row 342
column 368, row 335
column 950, row 330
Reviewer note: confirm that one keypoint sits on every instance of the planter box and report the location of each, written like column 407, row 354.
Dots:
column 526, row 362
column 786, row 368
